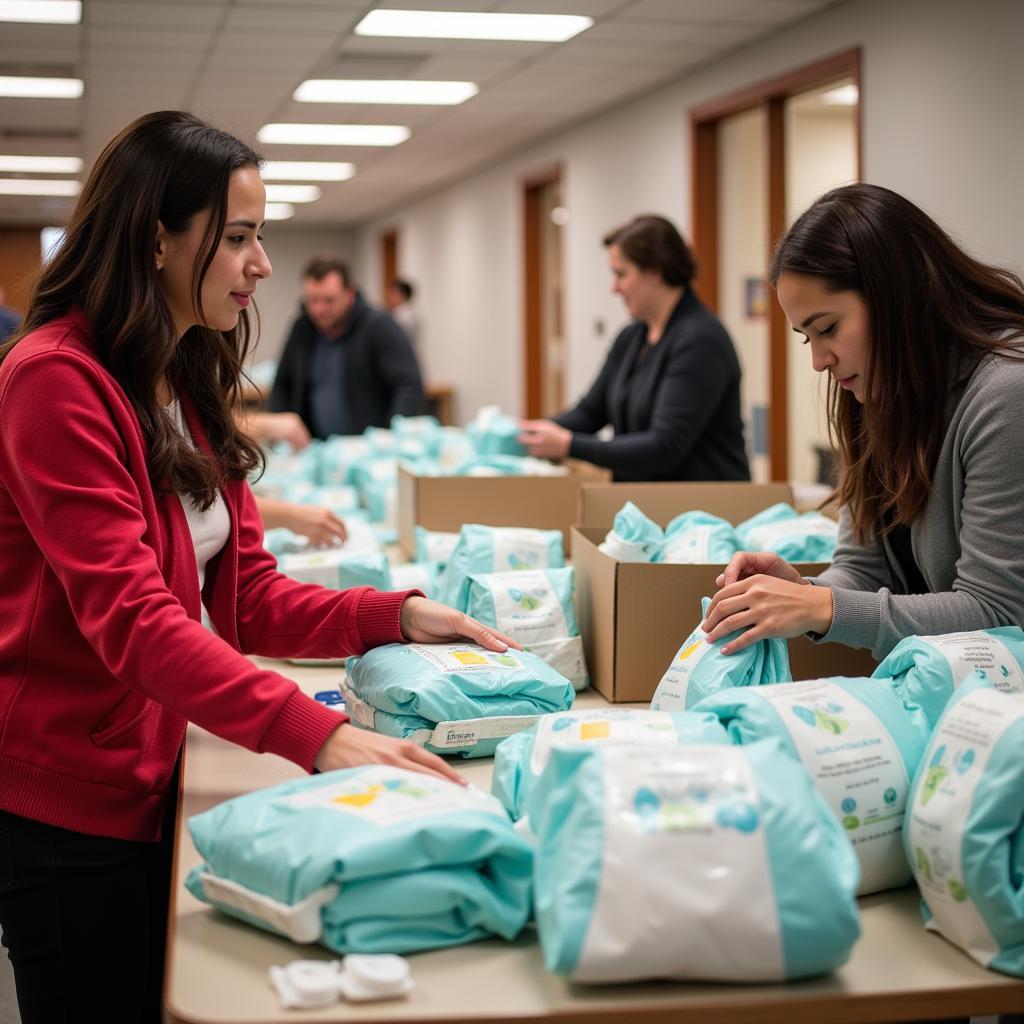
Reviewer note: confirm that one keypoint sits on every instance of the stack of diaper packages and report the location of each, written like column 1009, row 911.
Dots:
column 964, row 829
column 520, row 760
column 927, row 670
column 372, row 859
column 702, row 862
column 860, row 744
column 338, row 568
column 482, row 549
column 535, row 608
column 452, row 698
column 699, row 668
column 634, row 537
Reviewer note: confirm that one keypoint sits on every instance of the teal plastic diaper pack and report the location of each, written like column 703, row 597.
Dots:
column 494, row 433
column 859, row 743
column 964, row 830
column 497, row 549
column 705, row 862
column 698, row 538
column 810, row 537
column 520, row 760
column 535, row 608
column 337, row 569
column 434, row 546
column 927, row 669
column 366, row 860
column 452, row 698
column 633, row 537
column 699, row 668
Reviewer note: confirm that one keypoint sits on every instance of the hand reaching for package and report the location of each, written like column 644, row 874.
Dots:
column 544, row 439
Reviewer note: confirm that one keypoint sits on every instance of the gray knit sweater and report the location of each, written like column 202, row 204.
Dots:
column 968, row 542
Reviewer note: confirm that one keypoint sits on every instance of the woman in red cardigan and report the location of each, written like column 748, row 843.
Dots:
column 123, row 509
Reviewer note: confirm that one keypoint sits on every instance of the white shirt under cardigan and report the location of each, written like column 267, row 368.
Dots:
column 209, row 529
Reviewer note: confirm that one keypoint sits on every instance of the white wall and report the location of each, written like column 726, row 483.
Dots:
column 277, row 298
column 942, row 82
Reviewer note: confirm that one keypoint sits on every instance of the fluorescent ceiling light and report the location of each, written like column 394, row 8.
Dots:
column 844, row 96
column 334, row 134
column 42, row 88
column 549, row 28
column 304, row 170
column 38, row 187
column 43, row 12
column 351, row 90
column 278, row 211
column 41, row 164
column 293, row 193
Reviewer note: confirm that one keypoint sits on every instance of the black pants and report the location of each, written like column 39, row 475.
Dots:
column 84, row 920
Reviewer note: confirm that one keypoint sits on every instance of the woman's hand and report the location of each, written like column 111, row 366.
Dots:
column 428, row 622
column 757, row 563
column 278, row 426
column 544, row 439
column 767, row 606
column 320, row 525
column 349, row 746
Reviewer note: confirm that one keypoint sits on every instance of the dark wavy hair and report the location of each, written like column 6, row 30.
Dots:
column 168, row 166
column 652, row 243
column 932, row 309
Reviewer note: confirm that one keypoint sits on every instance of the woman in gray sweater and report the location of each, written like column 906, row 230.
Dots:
column 924, row 347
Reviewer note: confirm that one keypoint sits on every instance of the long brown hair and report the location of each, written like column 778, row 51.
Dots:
column 167, row 166
column 932, row 308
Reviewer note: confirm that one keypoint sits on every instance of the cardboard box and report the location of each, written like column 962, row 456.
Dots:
column 633, row 616
column 446, row 502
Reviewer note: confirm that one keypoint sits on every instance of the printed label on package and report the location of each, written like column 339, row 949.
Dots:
column 527, row 607
column 516, row 550
column 978, row 652
column 856, row 767
column 671, row 692
column 465, row 657
column 956, row 761
column 474, row 730
column 690, row 547
column 766, row 536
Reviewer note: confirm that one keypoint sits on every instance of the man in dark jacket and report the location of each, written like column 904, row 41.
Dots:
column 345, row 366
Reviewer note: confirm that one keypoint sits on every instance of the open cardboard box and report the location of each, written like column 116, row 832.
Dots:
column 446, row 502
column 633, row 616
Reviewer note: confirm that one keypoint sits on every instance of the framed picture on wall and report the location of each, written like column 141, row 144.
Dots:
column 755, row 298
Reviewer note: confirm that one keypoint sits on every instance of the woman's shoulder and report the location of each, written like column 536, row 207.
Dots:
column 998, row 373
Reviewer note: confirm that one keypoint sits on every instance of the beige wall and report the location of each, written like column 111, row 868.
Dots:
column 942, row 81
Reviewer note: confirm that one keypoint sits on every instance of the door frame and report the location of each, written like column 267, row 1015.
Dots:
column 388, row 260
column 704, row 119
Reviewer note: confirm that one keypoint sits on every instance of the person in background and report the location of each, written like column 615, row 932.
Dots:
column 398, row 300
column 670, row 386
column 9, row 319
column 345, row 366
column 923, row 346
column 124, row 509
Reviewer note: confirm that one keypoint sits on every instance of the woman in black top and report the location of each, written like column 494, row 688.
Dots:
column 670, row 386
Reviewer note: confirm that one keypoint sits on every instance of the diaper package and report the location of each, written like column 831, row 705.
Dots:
column 964, row 830
column 860, row 745
column 452, row 698
column 633, row 537
column 497, row 549
column 535, row 608
column 810, row 537
column 699, row 668
column 337, row 569
column 281, row 541
column 928, row 669
column 337, row 458
column 372, row 859
column 508, row 465
column 699, row 862
column 520, row 759
column 698, row 538
column 494, row 433
column 434, row 546
column 415, row 576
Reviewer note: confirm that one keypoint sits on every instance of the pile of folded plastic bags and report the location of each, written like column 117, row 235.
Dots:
column 964, row 830
column 695, row 862
column 452, row 698
column 699, row 668
column 535, row 608
column 860, row 744
column 926, row 670
column 370, row 860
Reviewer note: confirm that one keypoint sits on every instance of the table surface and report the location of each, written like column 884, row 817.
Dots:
column 217, row 966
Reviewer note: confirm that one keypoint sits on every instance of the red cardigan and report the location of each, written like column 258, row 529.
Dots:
column 103, row 658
